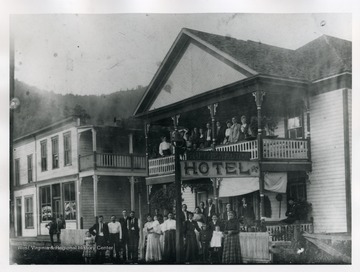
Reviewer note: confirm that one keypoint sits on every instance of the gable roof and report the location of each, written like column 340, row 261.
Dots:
column 323, row 57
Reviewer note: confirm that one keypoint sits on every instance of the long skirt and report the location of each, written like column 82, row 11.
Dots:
column 231, row 250
column 191, row 247
column 162, row 243
column 170, row 246
column 153, row 248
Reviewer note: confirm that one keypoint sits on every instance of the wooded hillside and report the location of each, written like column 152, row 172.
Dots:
column 39, row 108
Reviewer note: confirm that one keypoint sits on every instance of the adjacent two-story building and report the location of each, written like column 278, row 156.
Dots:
column 303, row 94
column 78, row 171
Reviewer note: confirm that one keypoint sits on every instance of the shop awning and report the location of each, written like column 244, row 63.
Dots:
column 275, row 182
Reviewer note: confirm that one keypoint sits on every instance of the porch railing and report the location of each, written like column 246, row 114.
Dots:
column 109, row 160
column 287, row 232
column 285, row 149
column 162, row 166
column 272, row 149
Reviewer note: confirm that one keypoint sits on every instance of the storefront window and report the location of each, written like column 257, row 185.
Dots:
column 69, row 201
column 45, row 203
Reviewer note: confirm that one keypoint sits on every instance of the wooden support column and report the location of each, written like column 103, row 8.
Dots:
column 147, row 131
column 259, row 96
column 95, row 180
column 308, row 134
column 132, row 193
column 93, row 131
column 212, row 109
column 78, row 201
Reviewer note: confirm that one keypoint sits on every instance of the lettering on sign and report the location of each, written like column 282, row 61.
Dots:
column 219, row 169
column 217, row 156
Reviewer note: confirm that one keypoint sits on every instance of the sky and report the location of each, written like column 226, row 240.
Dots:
column 104, row 53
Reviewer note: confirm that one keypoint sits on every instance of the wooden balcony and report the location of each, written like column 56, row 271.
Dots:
column 112, row 161
column 273, row 150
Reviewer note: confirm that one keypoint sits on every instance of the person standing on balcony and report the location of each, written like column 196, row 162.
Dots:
column 194, row 137
column 235, row 130
column 219, row 133
column 227, row 132
column 244, row 129
column 202, row 138
column 164, row 147
column 208, row 135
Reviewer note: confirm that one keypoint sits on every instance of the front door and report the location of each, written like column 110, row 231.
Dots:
column 18, row 217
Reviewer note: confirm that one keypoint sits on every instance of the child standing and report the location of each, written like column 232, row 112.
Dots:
column 215, row 245
column 89, row 248
column 204, row 239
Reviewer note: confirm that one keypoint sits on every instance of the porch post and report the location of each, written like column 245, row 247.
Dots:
column 78, row 189
column 93, row 131
column 259, row 96
column 148, row 190
column 132, row 193
column 147, row 130
column 307, row 107
column 179, row 233
column 212, row 109
column 95, row 180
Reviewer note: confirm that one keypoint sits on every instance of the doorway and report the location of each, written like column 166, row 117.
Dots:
column 18, row 217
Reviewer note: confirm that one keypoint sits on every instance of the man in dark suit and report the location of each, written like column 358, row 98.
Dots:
column 219, row 133
column 202, row 207
column 209, row 210
column 215, row 222
column 125, row 234
column 184, row 213
column 101, row 232
column 133, row 242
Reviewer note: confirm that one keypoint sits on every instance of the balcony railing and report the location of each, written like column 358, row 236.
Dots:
column 287, row 232
column 116, row 161
column 273, row 149
column 285, row 149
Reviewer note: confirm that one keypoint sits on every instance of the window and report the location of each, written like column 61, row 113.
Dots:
column 29, row 215
column 29, row 167
column 55, row 152
column 43, row 156
column 45, row 203
column 17, row 172
column 295, row 123
column 69, row 201
column 67, row 148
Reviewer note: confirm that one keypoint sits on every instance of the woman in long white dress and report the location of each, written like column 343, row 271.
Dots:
column 200, row 219
column 153, row 248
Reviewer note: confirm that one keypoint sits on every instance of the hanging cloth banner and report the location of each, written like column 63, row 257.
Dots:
column 275, row 182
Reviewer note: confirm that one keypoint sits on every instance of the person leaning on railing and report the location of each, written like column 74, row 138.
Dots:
column 164, row 147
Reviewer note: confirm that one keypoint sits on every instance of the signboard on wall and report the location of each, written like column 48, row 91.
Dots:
column 219, row 169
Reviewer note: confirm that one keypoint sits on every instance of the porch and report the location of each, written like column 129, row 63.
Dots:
column 276, row 150
column 112, row 161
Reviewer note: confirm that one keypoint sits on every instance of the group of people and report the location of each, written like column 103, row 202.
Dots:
column 113, row 237
column 207, row 238
column 199, row 138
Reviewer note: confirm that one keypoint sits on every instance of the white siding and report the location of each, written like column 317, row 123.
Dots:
column 189, row 199
column 197, row 72
column 23, row 193
column 21, row 151
column 327, row 188
column 62, row 170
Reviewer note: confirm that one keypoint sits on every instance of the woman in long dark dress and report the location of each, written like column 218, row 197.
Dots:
column 169, row 229
column 231, row 250
column 191, row 244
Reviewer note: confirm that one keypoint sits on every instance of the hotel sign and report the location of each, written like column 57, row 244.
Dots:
column 212, row 164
